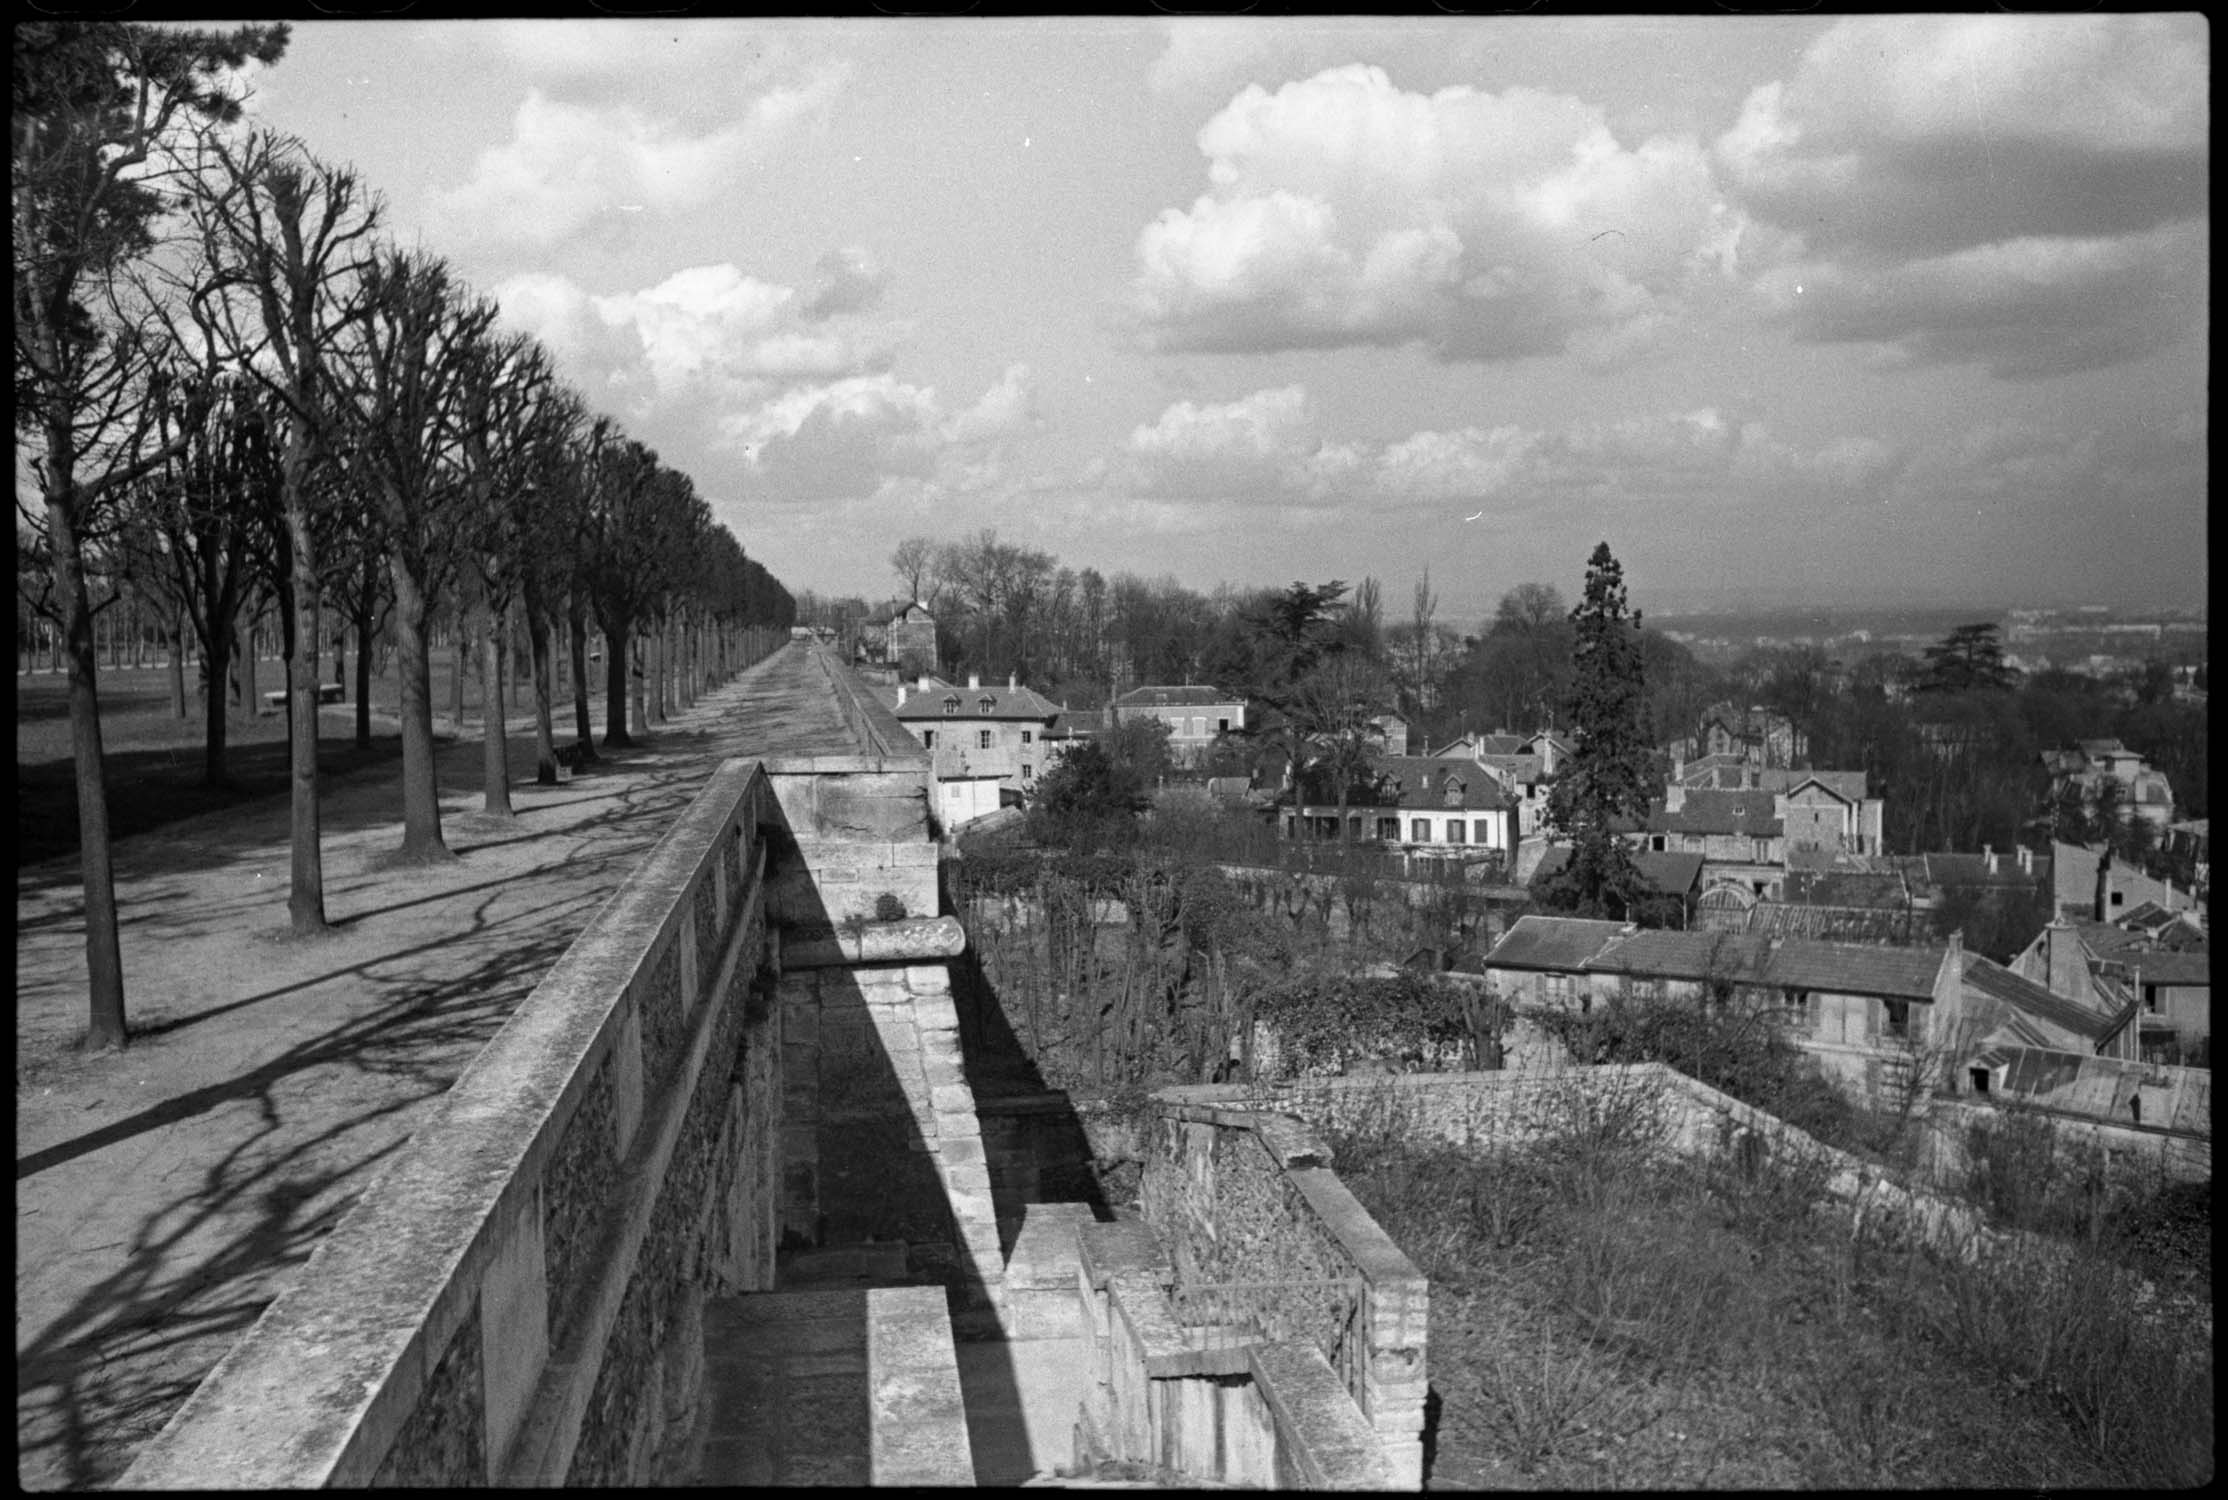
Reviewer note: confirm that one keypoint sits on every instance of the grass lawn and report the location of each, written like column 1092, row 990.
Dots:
column 154, row 760
column 1599, row 1319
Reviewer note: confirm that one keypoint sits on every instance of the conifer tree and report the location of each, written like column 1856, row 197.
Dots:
column 1605, row 781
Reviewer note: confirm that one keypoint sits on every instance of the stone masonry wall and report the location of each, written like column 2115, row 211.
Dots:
column 518, row 1300
column 1239, row 1197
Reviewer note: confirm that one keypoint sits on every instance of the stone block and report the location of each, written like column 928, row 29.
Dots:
column 514, row 1329
column 953, row 1098
column 962, row 1151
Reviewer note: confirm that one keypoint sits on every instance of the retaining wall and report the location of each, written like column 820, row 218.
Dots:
column 518, row 1299
column 1246, row 1200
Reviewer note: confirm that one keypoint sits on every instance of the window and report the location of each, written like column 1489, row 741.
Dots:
column 1028, row 737
column 1389, row 828
column 1222, row 726
column 1198, row 727
column 984, row 737
column 2150, row 998
column 1656, row 843
column 1353, row 827
column 951, row 705
column 928, row 739
column 1419, row 830
column 1026, row 773
column 1641, row 987
column 1898, row 1014
column 1481, row 832
column 1980, row 1080
column 1454, row 830
column 1794, row 1007
column 986, row 703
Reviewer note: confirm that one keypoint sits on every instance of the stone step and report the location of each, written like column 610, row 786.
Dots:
column 869, row 1263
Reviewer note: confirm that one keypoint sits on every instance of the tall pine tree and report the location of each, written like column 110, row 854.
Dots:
column 1604, row 784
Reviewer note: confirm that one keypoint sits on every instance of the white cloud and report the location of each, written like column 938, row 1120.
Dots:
column 1344, row 210
column 700, row 345
column 2026, row 192
column 876, row 436
column 1265, row 451
column 568, row 163
column 849, row 282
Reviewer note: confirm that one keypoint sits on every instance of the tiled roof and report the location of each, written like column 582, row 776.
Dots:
column 1748, row 814
column 1671, row 871
column 1856, row 969
column 2173, row 968
column 1188, row 696
column 1839, row 924
column 1422, row 782
column 1992, row 979
column 1847, row 888
column 1004, row 704
column 1078, row 721
column 1561, row 944
column 1851, row 785
column 1520, row 768
column 1973, row 869
column 1730, row 956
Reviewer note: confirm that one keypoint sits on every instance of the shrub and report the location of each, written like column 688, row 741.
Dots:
column 1323, row 1021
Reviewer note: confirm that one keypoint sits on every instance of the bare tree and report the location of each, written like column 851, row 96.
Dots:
column 92, row 102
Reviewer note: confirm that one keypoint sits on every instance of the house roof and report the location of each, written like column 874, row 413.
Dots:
column 993, row 702
column 1671, row 871
column 1856, row 969
column 1846, row 888
column 1748, row 814
column 2176, row 1099
column 1521, row 769
column 1731, row 956
column 1974, row 869
column 1168, row 696
column 1992, row 979
column 1838, row 924
column 1849, row 786
column 1422, row 780
column 2173, row 968
column 1077, row 721
column 1560, row 944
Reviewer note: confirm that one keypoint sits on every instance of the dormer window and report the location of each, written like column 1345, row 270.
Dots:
column 1453, row 792
column 986, row 703
column 951, row 705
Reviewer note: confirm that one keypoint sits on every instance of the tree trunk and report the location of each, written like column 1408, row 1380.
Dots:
column 584, row 735
column 177, row 630
column 248, row 698
column 495, row 753
column 104, row 964
column 305, row 901
column 463, row 665
column 545, row 737
column 615, row 681
column 636, row 677
column 421, row 792
column 340, row 660
column 363, row 680
column 217, row 674
column 653, row 644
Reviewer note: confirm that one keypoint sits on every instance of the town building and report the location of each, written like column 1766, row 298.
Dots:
column 2144, row 791
column 976, row 733
column 1879, row 1020
column 1425, row 805
column 902, row 635
column 1195, row 715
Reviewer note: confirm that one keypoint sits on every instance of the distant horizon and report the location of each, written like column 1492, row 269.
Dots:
column 1783, row 306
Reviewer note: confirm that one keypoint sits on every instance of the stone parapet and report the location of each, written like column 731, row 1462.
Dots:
column 516, row 1300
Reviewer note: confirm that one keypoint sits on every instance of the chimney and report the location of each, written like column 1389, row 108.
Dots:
column 2065, row 972
column 2026, row 860
column 1013, row 682
column 922, row 685
column 974, row 680
column 2104, row 885
column 1988, row 858
column 901, row 695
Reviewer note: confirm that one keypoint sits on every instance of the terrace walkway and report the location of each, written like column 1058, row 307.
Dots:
column 165, row 1194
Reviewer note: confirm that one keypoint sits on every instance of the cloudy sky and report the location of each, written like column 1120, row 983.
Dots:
column 1873, row 308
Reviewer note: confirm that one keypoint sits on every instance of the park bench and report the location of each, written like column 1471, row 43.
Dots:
column 327, row 692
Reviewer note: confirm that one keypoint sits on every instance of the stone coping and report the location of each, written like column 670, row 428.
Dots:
column 916, row 1414
column 873, row 725
column 909, row 940
column 1323, row 1440
column 1169, row 1349
column 1123, row 1247
column 320, row 1386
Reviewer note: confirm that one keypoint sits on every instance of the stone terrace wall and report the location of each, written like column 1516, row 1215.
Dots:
column 1514, row 1108
column 1240, row 1197
column 517, row 1300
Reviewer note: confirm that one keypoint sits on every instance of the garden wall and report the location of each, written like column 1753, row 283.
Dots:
column 1259, row 1229
column 518, row 1299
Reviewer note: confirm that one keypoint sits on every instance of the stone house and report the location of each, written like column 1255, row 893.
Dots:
column 2110, row 971
column 2092, row 882
column 976, row 732
column 1869, row 1015
column 2145, row 792
column 1828, row 810
column 901, row 634
column 1739, row 835
column 1447, row 808
column 1195, row 715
